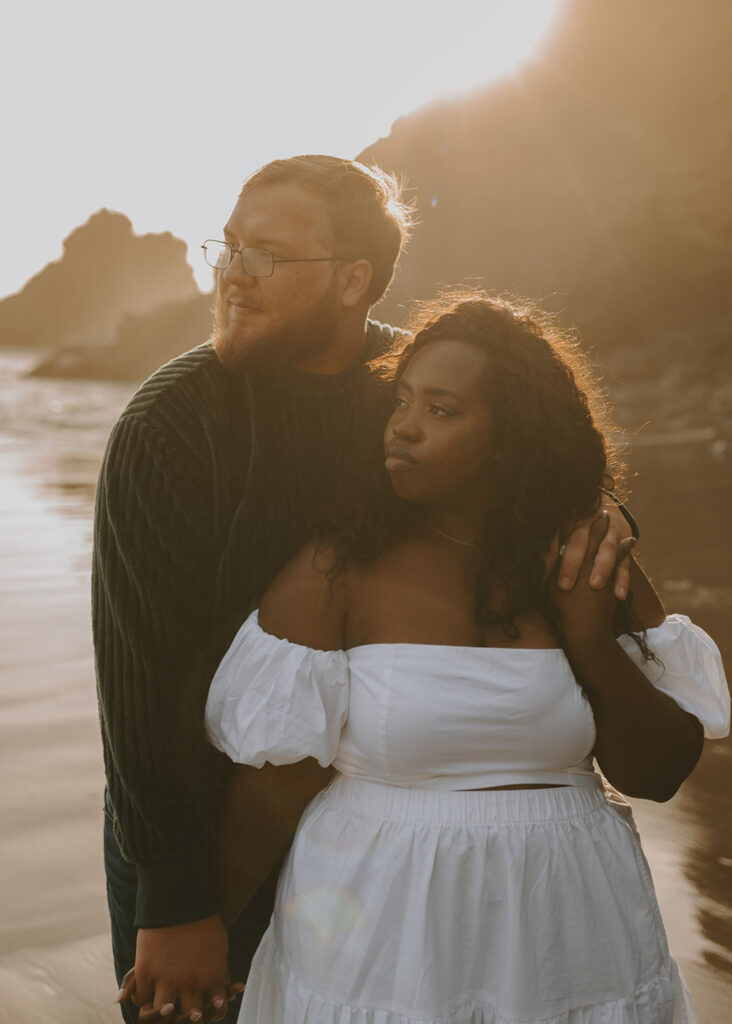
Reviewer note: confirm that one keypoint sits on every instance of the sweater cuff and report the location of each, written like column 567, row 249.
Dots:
column 174, row 892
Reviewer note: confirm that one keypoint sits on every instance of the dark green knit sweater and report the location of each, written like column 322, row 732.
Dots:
column 208, row 486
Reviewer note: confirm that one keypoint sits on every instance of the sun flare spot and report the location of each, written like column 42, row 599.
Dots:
column 327, row 912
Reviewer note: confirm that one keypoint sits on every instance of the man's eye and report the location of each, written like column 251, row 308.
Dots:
column 399, row 401
column 440, row 410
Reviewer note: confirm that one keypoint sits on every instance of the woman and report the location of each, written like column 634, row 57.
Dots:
column 465, row 863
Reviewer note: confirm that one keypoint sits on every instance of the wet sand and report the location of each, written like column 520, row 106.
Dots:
column 55, row 956
column 682, row 496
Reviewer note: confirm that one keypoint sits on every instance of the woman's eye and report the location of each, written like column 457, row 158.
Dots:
column 399, row 402
column 440, row 410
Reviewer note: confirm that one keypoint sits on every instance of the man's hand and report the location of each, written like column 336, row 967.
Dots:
column 605, row 562
column 180, row 971
column 586, row 614
column 149, row 1014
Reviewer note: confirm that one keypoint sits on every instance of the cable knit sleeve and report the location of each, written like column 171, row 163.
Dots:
column 273, row 700
column 691, row 671
column 151, row 597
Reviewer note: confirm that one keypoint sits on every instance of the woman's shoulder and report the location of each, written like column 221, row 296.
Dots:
column 306, row 603
column 280, row 694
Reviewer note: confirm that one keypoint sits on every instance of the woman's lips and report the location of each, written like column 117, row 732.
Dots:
column 398, row 459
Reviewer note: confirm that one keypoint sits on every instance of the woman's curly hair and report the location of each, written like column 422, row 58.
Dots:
column 550, row 441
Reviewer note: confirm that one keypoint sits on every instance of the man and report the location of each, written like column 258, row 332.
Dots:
column 209, row 485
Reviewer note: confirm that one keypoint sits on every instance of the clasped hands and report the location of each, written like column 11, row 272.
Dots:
column 180, row 973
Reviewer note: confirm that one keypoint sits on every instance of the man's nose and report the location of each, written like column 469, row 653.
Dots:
column 236, row 274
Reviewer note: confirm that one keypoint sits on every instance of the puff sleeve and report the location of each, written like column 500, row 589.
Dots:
column 691, row 671
column 276, row 701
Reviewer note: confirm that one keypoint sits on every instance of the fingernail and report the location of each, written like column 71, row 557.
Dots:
column 166, row 1009
column 119, row 995
column 195, row 1015
column 565, row 583
column 596, row 581
column 621, row 593
column 218, row 1002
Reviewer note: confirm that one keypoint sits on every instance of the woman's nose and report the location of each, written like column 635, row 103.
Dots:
column 407, row 427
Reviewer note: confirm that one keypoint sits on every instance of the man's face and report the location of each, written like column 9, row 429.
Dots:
column 293, row 315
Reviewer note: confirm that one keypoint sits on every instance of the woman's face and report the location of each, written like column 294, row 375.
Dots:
column 438, row 441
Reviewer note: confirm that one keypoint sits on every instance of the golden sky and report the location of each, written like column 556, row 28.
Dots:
column 160, row 108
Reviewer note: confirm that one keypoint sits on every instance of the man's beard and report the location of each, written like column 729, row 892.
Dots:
column 293, row 342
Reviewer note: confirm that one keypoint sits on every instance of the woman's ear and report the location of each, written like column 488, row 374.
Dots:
column 355, row 281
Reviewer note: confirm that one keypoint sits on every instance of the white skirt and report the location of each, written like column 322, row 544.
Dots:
column 417, row 906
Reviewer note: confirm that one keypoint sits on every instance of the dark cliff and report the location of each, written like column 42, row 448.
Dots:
column 602, row 172
column 597, row 180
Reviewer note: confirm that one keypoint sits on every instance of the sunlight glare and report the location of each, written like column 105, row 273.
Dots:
column 161, row 110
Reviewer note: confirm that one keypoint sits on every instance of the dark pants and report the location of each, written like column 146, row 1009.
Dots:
column 121, row 895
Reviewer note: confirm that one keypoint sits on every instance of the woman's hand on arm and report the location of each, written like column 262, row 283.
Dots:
column 646, row 744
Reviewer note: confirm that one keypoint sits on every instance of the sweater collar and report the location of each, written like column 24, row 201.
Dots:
column 379, row 337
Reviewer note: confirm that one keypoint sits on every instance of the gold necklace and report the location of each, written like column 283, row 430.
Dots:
column 447, row 536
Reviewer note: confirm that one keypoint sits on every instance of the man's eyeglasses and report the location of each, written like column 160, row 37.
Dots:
column 256, row 262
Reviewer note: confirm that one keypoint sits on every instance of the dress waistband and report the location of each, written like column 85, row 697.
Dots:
column 464, row 807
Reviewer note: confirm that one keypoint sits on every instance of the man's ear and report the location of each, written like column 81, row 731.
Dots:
column 355, row 281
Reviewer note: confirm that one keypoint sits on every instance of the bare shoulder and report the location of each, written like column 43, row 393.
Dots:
column 304, row 604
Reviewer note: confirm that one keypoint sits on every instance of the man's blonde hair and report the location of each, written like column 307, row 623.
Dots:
column 369, row 217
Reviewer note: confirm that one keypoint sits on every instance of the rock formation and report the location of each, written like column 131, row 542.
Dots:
column 142, row 343
column 597, row 179
column 105, row 273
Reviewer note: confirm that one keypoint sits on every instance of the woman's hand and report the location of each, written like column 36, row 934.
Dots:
column 605, row 560
column 646, row 744
column 149, row 1014
column 180, row 967
column 586, row 613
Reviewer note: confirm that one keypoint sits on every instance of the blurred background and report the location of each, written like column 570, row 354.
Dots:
column 578, row 152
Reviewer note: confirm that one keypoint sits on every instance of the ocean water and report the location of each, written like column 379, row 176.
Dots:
column 55, row 958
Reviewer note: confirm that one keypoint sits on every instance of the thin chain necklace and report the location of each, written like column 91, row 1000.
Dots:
column 447, row 536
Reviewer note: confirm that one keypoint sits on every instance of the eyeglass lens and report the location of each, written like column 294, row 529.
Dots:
column 216, row 254
column 257, row 262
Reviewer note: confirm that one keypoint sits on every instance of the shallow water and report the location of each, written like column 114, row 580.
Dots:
column 55, row 960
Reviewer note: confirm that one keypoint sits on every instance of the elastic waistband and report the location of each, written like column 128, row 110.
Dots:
column 466, row 807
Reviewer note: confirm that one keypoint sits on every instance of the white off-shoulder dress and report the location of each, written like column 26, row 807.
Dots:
column 408, row 899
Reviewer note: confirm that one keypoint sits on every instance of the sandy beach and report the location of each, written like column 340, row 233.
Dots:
column 55, row 955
